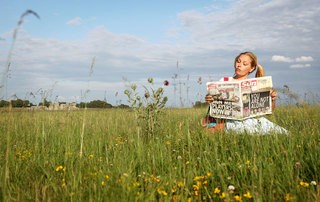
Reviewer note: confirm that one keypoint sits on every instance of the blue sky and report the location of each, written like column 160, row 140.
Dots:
column 134, row 40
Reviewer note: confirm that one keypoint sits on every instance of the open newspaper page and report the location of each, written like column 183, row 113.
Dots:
column 240, row 99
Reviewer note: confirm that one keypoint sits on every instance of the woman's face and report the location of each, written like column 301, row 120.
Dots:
column 243, row 67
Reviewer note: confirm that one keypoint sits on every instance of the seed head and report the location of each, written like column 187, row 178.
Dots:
column 231, row 188
column 166, row 83
column 134, row 86
column 165, row 99
column 150, row 80
column 147, row 95
column 126, row 92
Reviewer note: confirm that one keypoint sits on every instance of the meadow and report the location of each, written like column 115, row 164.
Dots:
column 40, row 158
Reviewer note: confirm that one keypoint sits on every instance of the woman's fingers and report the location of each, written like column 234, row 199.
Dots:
column 273, row 94
column 209, row 98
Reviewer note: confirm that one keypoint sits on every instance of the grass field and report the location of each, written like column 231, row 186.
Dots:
column 40, row 159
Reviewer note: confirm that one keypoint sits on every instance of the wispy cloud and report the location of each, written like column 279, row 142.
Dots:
column 75, row 21
column 279, row 58
column 304, row 59
column 294, row 66
column 301, row 59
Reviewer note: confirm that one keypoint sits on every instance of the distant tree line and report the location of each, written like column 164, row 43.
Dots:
column 199, row 104
column 16, row 103
column 95, row 104
column 91, row 104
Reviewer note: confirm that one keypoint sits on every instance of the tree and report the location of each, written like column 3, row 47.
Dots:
column 95, row 104
column 4, row 103
column 123, row 106
column 199, row 104
column 44, row 103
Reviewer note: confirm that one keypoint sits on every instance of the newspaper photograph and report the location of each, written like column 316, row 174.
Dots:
column 240, row 99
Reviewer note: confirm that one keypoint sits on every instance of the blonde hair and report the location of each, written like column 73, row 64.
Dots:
column 254, row 63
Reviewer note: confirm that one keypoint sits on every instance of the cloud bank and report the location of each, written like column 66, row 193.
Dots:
column 206, row 42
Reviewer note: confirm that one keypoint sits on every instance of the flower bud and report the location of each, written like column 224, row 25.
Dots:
column 126, row 92
column 147, row 95
column 166, row 83
column 150, row 80
column 133, row 86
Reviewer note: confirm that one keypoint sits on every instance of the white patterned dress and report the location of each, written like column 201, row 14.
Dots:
column 256, row 125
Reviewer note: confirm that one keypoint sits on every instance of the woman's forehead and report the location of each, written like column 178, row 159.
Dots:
column 244, row 58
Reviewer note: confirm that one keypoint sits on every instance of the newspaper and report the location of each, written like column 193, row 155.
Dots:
column 240, row 99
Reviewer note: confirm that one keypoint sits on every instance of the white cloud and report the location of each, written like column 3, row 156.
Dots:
column 279, row 58
column 249, row 24
column 296, row 66
column 75, row 21
column 304, row 59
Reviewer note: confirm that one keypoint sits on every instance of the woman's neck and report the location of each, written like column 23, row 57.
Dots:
column 240, row 77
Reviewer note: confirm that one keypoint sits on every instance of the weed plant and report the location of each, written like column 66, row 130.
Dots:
column 182, row 162
column 148, row 109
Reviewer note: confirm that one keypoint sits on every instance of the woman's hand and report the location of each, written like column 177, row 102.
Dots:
column 273, row 94
column 209, row 98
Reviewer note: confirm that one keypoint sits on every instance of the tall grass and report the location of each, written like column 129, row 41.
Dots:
column 181, row 162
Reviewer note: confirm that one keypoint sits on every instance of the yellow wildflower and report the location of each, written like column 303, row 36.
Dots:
column 90, row 156
column 223, row 195
column 247, row 195
column 187, row 162
column 102, row 183
column 216, row 190
column 198, row 178
column 304, row 184
column 59, row 168
column 180, row 184
column 237, row 198
column 288, row 198
column 209, row 174
column 162, row 192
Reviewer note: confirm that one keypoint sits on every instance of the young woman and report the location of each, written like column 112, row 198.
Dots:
column 244, row 64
